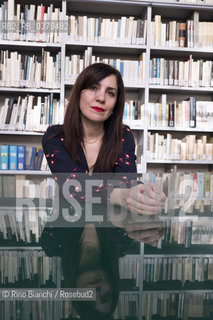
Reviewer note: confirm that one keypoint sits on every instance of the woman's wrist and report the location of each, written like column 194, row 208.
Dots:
column 118, row 197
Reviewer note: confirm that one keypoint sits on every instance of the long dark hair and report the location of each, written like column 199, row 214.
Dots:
column 73, row 130
column 109, row 255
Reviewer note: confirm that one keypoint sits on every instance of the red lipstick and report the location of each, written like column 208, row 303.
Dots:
column 98, row 109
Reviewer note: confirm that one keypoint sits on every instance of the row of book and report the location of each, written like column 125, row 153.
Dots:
column 188, row 205
column 163, row 71
column 189, row 73
column 28, row 265
column 188, row 232
column 13, row 157
column 127, row 308
column 191, row 33
column 129, row 268
column 177, row 306
column 187, row 192
column 22, row 225
column 190, row 147
column 199, row 184
column 183, row 184
column 34, row 310
column 31, row 22
column 124, row 30
column 154, row 306
column 30, row 113
column 131, row 70
column 25, row 226
column 133, row 110
column 182, row 269
column 21, row 186
column 42, row 23
column 31, row 71
column 188, row 113
column 49, row 22
column 37, row 113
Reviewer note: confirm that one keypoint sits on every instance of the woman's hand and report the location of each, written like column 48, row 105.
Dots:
column 143, row 202
column 145, row 199
column 149, row 231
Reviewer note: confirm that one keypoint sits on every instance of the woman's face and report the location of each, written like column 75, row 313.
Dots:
column 97, row 102
column 98, row 280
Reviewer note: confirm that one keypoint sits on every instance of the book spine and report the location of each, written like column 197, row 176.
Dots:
column 192, row 112
column 188, row 233
column 51, row 109
column 13, row 157
column 182, row 35
column 39, row 159
column 21, row 157
column 32, row 158
column 171, row 120
column 4, row 158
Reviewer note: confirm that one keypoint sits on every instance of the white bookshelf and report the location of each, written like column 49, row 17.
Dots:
column 114, row 8
column 24, row 133
column 28, row 90
column 26, row 172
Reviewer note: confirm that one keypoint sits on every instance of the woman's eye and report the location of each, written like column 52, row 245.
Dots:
column 111, row 93
column 93, row 88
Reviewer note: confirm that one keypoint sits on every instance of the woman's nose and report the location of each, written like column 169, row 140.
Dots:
column 100, row 95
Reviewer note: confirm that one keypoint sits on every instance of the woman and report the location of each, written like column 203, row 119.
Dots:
column 93, row 139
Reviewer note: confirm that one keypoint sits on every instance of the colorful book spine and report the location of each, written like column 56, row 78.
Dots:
column 126, row 111
column 21, row 157
column 39, row 159
column 13, row 157
column 32, row 158
column 171, row 120
column 51, row 110
column 4, row 164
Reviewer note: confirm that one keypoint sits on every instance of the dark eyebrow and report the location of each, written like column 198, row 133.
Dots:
column 108, row 88
column 111, row 88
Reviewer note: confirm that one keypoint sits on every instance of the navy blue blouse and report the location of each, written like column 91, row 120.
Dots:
column 59, row 159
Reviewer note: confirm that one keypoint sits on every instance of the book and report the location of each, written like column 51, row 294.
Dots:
column 192, row 112
column 21, row 157
column 39, row 159
column 182, row 35
column 9, row 111
column 32, row 158
column 4, row 157
column 13, row 157
column 171, row 118
column 1, row 186
column 8, row 186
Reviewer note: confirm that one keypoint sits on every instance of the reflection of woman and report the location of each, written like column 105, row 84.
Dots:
column 90, row 260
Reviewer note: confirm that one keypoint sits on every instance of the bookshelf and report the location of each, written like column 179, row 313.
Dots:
column 148, row 92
